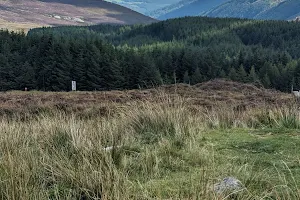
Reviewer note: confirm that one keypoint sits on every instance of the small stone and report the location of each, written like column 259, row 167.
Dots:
column 111, row 148
column 67, row 18
column 57, row 17
column 228, row 185
column 76, row 19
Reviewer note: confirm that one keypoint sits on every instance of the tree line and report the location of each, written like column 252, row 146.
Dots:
column 188, row 50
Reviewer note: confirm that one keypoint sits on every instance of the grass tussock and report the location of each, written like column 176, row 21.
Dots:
column 163, row 148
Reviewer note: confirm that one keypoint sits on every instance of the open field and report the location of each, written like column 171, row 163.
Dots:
column 209, row 94
column 167, row 143
column 19, row 27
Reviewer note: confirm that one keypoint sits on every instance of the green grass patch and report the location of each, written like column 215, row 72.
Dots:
column 149, row 151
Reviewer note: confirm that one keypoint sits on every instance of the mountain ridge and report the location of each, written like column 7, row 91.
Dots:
column 280, row 11
column 144, row 6
column 251, row 9
column 243, row 8
column 26, row 14
column 189, row 8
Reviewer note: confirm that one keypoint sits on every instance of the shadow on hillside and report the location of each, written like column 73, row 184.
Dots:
column 131, row 19
column 122, row 14
column 89, row 3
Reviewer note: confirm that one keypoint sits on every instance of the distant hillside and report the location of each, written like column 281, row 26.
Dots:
column 252, row 9
column 25, row 14
column 285, row 10
column 144, row 6
column 259, row 9
column 168, row 10
column 187, row 8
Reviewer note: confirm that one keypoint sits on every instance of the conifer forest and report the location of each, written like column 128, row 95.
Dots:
column 185, row 50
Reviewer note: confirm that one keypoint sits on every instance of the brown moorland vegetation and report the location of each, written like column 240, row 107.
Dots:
column 206, row 95
column 26, row 14
column 172, row 142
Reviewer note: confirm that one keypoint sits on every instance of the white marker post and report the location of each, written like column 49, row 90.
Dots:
column 73, row 85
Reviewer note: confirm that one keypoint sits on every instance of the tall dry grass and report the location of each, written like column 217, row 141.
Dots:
column 158, row 149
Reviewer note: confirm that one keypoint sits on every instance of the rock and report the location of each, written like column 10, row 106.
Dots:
column 111, row 148
column 67, row 18
column 76, row 19
column 228, row 185
column 57, row 17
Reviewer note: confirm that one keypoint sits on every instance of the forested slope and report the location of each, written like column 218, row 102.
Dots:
column 190, row 50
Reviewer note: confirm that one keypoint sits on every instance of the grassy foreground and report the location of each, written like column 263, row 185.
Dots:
column 163, row 148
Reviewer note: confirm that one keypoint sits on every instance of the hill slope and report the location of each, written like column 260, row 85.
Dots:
column 23, row 14
column 259, row 9
column 253, row 9
column 187, row 8
column 286, row 10
column 144, row 6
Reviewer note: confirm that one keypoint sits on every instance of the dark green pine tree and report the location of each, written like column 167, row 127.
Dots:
column 60, row 74
column 289, row 75
column 26, row 78
column 168, row 79
column 197, row 77
column 92, row 63
column 188, row 61
column 149, row 76
column 297, row 77
column 286, row 77
column 242, row 74
column 266, row 81
column 46, row 62
column 77, row 70
column 116, row 78
column 222, row 74
column 274, row 76
column 264, row 69
column 127, row 65
column 186, row 78
column 112, row 71
column 4, row 73
column 168, row 66
column 233, row 75
column 252, row 75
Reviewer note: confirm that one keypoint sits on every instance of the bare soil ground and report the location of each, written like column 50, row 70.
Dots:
column 25, row 14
